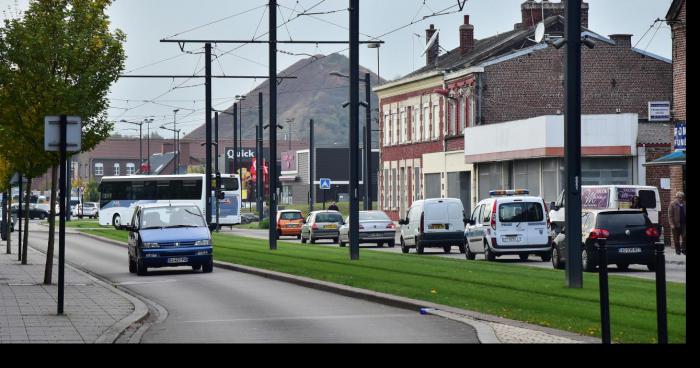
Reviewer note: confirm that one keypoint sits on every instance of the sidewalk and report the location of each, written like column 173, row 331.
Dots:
column 93, row 312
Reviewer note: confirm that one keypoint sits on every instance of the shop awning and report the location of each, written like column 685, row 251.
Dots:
column 675, row 158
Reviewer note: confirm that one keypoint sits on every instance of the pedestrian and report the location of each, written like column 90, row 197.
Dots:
column 637, row 203
column 676, row 217
column 333, row 207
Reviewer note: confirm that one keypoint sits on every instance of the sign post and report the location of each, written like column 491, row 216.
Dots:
column 62, row 133
column 324, row 184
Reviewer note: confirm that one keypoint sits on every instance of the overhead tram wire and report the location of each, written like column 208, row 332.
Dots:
column 217, row 21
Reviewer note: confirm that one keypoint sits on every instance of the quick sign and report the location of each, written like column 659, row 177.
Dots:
column 679, row 136
column 242, row 153
column 659, row 110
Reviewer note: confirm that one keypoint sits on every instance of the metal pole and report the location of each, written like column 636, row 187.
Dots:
column 312, row 166
column 175, row 147
column 240, row 135
column 367, row 175
column 216, row 139
column 148, row 140
column 661, row 323
column 354, row 128
column 273, row 123
column 62, row 217
column 604, row 292
column 235, row 138
column 19, row 213
column 259, row 190
column 140, row 145
column 69, row 188
column 5, row 219
column 572, row 143
column 207, row 83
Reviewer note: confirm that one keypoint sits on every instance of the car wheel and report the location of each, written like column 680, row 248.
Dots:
column 312, row 240
column 342, row 244
column 42, row 216
column 419, row 247
column 141, row 269
column 132, row 266
column 546, row 257
column 80, row 217
column 196, row 268
column 623, row 266
column 298, row 236
column 303, row 240
column 463, row 247
column 335, row 240
column 447, row 249
column 489, row 254
column 404, row 248
column 524, row 257
column 468, row 252
column 208, row 267
column 380, row 244
column 391, row 244
column 117, row 221
column 588, row 265
column 556, row 259
column 651, row 267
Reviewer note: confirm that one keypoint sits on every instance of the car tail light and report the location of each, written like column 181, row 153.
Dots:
column 391, row 226
column 314, row 227
column 493, row 215
column 599, row 234
column 652, row 232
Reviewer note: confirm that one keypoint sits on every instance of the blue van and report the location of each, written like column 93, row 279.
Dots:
column 169, row 236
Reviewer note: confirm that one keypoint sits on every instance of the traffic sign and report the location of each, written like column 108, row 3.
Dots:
column 325, row 183
column 52, row 133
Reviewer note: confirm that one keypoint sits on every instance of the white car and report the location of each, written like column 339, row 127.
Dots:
column 87, row 209
column 509, row 223
column 433, row 223
column 375, row 227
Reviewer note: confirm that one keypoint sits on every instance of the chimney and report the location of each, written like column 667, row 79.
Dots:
column 431, row 56
column 466, row 37
column 624, row 40
column 184, row 154
column 166, row 147
column 532, row 12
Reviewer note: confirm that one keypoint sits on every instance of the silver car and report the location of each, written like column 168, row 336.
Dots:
column 375, row 227
column 322, row 225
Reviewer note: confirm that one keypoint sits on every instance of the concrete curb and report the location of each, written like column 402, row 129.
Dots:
column 140, row 313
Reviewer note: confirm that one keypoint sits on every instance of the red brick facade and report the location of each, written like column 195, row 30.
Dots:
column 654, row 174
column 677, row 22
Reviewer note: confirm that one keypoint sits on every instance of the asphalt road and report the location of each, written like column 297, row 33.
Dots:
column 232, row 307
column 675, row 265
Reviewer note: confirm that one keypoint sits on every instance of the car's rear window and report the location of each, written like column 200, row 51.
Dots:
column 374, row 216
column 618, row 222
column 329, row 217
column 435, row 211
column 291, row 216
column 520, row 212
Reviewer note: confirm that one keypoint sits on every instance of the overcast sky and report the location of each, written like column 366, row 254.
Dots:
column 146, row 22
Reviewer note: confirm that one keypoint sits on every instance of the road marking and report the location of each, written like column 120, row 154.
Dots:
column 144, row 282
column 303, row 318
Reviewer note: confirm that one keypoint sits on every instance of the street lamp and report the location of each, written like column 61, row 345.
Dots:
column 148, row 122
column 140, row 138
column 175, row 147
column 175, row 131
column 367, row 152
column 375, row 45
column 290, row 121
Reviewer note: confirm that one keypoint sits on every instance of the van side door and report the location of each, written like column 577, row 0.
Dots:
column 472, row 234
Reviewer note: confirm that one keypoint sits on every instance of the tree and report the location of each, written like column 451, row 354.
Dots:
column 91, row 193
column 60, row 57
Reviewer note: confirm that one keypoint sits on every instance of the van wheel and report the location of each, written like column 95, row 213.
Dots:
column 463, row 248
column 132, row 266
column 196, row 268
column 404, row 248
column 141, row 269
column 419, row 247
column 447, row 249
column 524, row 257
column 391, row 244
column 468, row 252
column 556, row 259
column 546, row 257
column 342, row 244
column 117, row 221
column 208, row 267
column 489, row 254
column 588, row 266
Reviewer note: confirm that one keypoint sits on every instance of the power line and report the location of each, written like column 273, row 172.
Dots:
column 217, row 21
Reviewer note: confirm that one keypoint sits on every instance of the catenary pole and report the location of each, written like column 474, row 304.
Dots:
column 235, row 138
column 208, row 107
column 273, row 123
column 354, row 127
column 367, row 175
column 259, row 190
column 62, row 217
column 312, row 165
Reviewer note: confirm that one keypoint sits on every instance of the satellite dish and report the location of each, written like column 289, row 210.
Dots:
column 539, row 32
column 431, row 42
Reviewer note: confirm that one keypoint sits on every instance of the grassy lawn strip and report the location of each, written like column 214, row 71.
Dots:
column 79, row 224
column 533, row 295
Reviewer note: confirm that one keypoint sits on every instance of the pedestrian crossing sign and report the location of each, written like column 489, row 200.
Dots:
column 325, row 183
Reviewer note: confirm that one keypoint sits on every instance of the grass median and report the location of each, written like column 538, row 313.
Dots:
column 79, row 224
column 533, row 295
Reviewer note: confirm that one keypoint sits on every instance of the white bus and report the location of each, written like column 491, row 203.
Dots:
column 119, row 195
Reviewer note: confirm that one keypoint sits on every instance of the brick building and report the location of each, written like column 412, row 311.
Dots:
column 676, row 18
column 428, row 116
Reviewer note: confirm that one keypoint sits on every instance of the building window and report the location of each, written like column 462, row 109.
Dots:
column 462, row 114
column 386, row 190
column 426, row 123
column 452, row 117
column 433, row 186
column 416, row 124
column 606, row 171
column 550, row 189
column 416, row 183
column 99, row 169
column 490, row 178
column 436, row 121
column 472, row 112
column 117, row 170
column 395, row 189
column 404, row 131
column 395, row 126
column 387, row 130
column 130, row 169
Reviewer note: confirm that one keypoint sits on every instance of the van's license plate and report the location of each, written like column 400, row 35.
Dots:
column 178, row 260
column 512, row 239
column 630, row 250
column 437, row 227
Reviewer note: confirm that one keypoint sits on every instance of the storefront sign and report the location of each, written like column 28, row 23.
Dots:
column 595, row 197
column 659, row 110
column 679, row 136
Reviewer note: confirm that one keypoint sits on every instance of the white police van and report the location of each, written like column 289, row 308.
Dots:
column 510, row 222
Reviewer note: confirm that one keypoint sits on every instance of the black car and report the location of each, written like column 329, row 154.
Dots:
column 628, row 235
column 34, row 212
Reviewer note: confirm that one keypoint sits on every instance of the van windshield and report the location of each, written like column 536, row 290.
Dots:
column 520, row 212
column 169, row 217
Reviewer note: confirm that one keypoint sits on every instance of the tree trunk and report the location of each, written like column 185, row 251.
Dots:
column 9, row 225
column 26, row 221
column 48, row 271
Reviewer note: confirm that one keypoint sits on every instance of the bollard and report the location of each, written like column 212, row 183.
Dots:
column 661, row 323
column 604, row 293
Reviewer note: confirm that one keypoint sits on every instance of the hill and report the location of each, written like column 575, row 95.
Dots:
column 313, row 95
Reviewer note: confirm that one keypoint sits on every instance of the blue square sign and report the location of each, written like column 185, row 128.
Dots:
column 325, row 183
